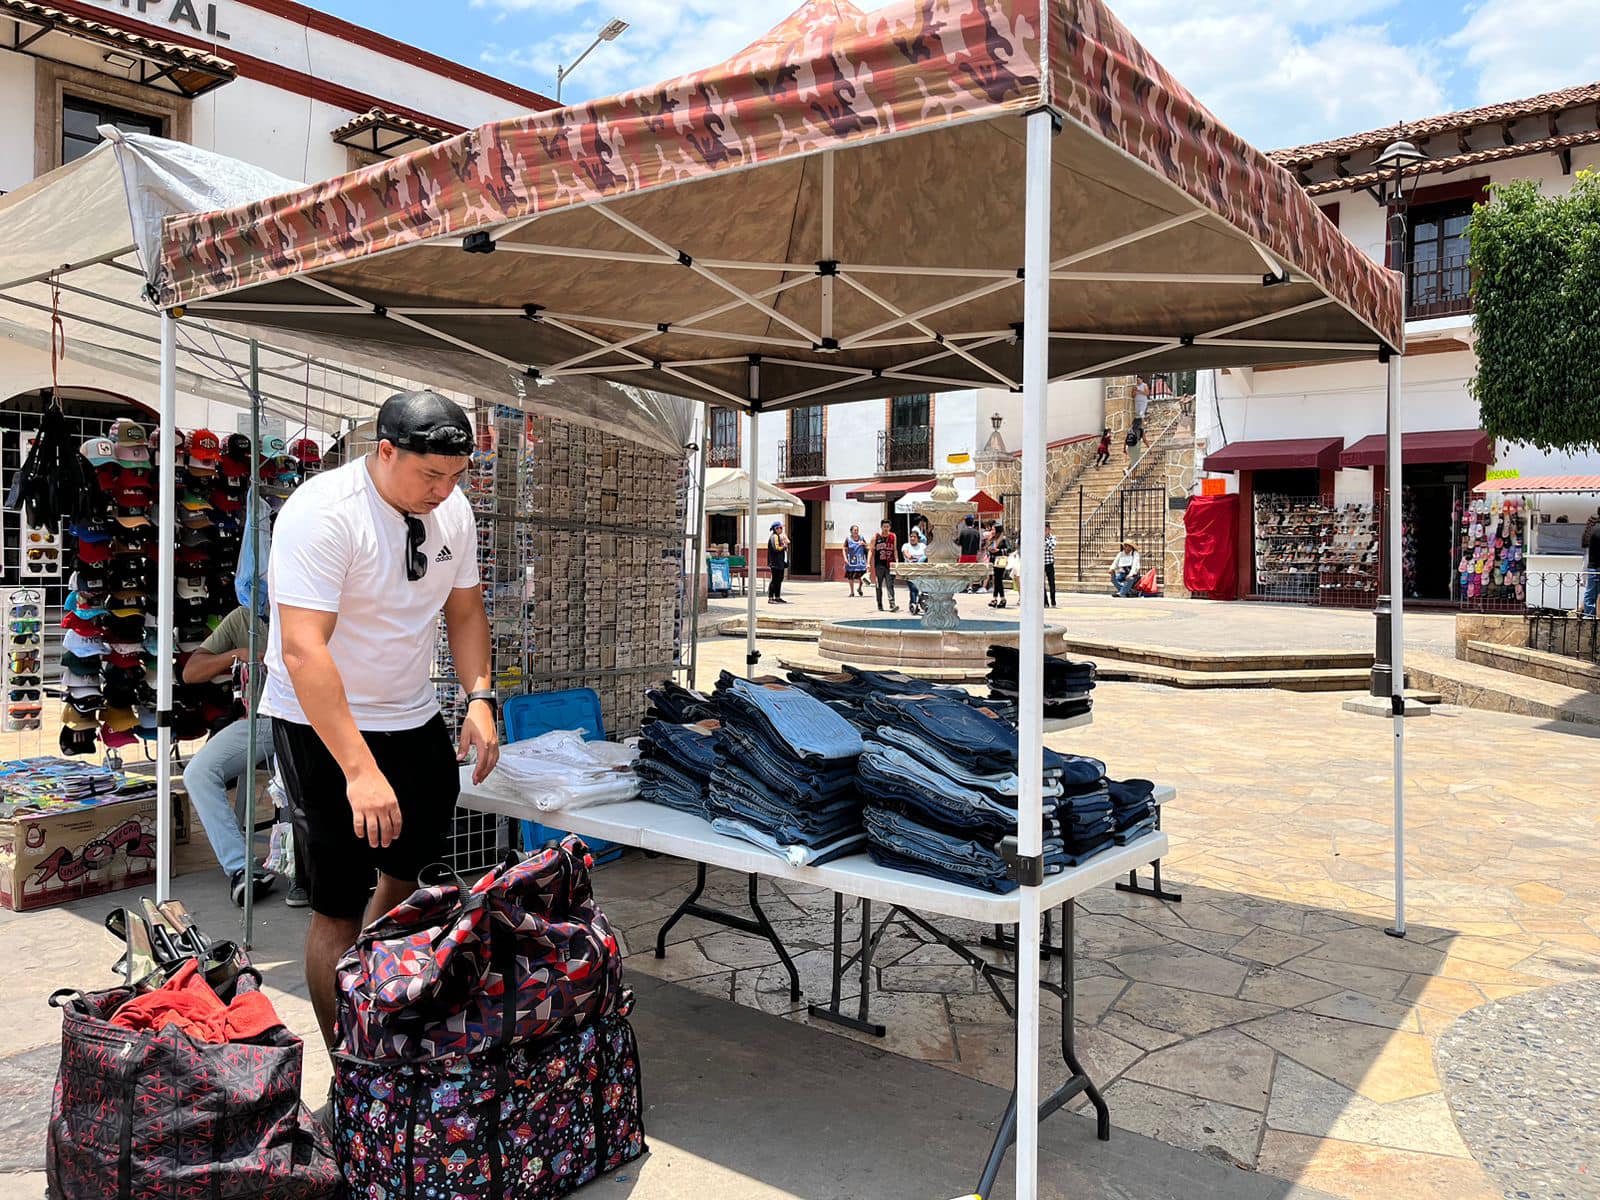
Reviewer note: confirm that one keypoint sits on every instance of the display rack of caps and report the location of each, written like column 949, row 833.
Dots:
column 24, row 660
column 109, row 643
column 285, row 465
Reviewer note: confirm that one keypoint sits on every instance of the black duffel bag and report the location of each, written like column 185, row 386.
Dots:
column 152, row 1115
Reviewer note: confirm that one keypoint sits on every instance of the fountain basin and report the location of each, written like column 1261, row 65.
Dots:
column 905, row 642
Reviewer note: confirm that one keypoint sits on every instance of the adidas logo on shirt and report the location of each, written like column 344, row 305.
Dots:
column 443, row 555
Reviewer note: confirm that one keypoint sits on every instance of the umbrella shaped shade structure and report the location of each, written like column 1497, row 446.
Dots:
column 835, row 199
column 728, row 492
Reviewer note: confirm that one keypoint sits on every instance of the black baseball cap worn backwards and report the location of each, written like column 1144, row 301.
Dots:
column 425, row 422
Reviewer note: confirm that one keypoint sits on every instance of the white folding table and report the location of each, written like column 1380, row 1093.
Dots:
column 663, row 830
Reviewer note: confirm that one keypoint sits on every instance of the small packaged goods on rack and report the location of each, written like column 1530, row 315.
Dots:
column 1494, row 535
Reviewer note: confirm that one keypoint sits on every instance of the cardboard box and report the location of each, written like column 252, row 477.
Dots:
column 51, row 857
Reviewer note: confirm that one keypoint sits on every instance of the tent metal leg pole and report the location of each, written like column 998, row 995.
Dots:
column 698, row 547
column 1030, row 682
column 752, row 460
column 1397, row 643
column 247, row 781
column 165, row 524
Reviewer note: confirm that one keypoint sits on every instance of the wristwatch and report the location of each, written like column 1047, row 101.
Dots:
column 486, row 695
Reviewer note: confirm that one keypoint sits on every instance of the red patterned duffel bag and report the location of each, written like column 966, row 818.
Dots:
column 429, row 978
column 154, row 1114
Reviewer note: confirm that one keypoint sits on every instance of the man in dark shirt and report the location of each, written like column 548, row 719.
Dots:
column 968, row 538
column 885, row 551
column 1591, row 543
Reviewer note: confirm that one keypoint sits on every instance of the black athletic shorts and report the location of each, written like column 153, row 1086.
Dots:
column 420, row 764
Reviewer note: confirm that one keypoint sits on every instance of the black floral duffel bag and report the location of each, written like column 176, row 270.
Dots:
column 529, row 1121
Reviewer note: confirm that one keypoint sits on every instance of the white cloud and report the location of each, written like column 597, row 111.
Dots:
column 1284, row 73
column 1519, row 49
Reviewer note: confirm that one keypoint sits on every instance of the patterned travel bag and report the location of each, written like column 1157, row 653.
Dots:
column 525, row 1122
column 523, row 954
column 154, row 1114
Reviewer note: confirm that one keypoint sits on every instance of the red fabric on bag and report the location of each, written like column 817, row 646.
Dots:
column 188, row 1001
column 1211, row 547
column 1147, row 583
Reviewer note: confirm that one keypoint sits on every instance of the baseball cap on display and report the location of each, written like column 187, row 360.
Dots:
column 99, row 450
column 73, row 623
column 81, row 664
column 195, row 537
column 86, row 702
column 189, row 590
column 204, row 448
column 73, row 719
column 93, row 552
column 72, row 680
column 306, row 452
column 82, row 608
column 87, row 530
column 197, row 519
column 116, row 739
column 126, row 660
column 226, row 501
column 77, row 741
column 132, row 443
column 90, row 579
column 132, row 518
column 192, row 554
column 147, row 727
column 274, row 447
column 194, row 501
column 178, row 442
column 107, row 475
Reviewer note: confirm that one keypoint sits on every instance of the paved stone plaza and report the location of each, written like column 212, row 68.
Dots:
column 1265, row 1022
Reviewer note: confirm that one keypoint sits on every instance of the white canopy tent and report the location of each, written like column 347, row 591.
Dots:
column 728, row 494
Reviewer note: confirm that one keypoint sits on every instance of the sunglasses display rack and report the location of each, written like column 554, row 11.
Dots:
column 24, row 661
column 41, row 554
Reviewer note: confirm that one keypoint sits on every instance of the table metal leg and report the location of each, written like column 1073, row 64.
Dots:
column 1004, row 939
column 991, row 974
column 1155, row 889
column 832, row 1011
column 757, row 924
column 1078, row 1084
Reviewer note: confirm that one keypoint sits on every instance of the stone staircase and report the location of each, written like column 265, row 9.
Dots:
column 1171, row 428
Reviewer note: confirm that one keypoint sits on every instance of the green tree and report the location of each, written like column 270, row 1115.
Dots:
column 1536, row 298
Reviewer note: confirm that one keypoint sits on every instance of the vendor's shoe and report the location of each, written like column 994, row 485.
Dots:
column 298, row 897
column 265, row 881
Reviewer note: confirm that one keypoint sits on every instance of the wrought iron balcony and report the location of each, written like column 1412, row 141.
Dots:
column 723, row 454
column 1441, row 287
column 905, row 448
column 802, row 458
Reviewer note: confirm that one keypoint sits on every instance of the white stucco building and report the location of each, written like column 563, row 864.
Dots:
column 1316, row 432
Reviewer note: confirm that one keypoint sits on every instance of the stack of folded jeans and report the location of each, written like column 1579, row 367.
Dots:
column 785, row 776
column 846, row 690
column 1067, row 685
column 679, row 705
column 1085, row 816
column 675, row 764
column 1133, row 807
column 939, row 778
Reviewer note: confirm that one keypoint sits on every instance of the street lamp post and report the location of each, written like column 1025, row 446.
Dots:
column 1398, row 164
column 612, row 30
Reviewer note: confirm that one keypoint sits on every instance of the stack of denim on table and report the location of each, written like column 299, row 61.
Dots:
column 785, row 777
column 680, row 705
column 675, row 764
column 1067, row 684
column 939, row 778
column 847, row 690
column 1133, row 807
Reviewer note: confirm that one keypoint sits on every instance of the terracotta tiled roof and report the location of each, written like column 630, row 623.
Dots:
column 378, row 118
column 1529, row 484
column 1455, row 162
column 1490, row 114
column 190, row 71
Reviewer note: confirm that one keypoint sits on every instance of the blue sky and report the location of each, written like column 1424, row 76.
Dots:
column 1280, row 72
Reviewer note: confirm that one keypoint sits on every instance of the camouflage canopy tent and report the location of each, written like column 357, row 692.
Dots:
column 970, row 193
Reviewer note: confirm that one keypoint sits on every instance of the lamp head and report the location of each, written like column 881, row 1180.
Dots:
column 613, row 29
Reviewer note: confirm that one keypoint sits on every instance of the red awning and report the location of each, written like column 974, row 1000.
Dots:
column 888, row 489
column 1434, row 446
column 986, row 503
column 820, row 492
column 1284, row 454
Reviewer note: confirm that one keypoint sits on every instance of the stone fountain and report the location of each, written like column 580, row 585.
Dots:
column 940, row 645
column 942, row 576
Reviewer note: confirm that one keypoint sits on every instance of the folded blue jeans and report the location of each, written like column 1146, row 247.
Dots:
column 811, row 730
column 799, row 855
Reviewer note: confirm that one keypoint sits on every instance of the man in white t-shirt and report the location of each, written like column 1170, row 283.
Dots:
column 364, row 559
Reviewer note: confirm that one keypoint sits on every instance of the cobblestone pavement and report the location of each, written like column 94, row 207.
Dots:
column 1519, row 1076
column 1266, row 1020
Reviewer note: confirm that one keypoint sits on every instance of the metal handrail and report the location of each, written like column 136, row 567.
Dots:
column 1137, row 470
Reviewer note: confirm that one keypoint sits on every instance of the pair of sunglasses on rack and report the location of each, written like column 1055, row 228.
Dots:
column 28, row 625
column 35, row 554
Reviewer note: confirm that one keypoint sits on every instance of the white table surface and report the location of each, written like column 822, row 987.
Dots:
column 655, row 827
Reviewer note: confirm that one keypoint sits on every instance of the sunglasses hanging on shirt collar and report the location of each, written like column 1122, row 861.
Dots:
column 416, row 560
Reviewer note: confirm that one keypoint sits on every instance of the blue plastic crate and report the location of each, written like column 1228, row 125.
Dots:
column 536, row 713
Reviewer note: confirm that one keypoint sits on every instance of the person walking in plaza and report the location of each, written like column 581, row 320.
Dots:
column 1125, row 570
column 364, row 560
column 777, row 563
column 885, row 550
column 1591, row 547
column 855, row 562
column 914, row 551
column 1049, row 567
column 226, row 755
column 1102, row 452
column 1000, row 558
